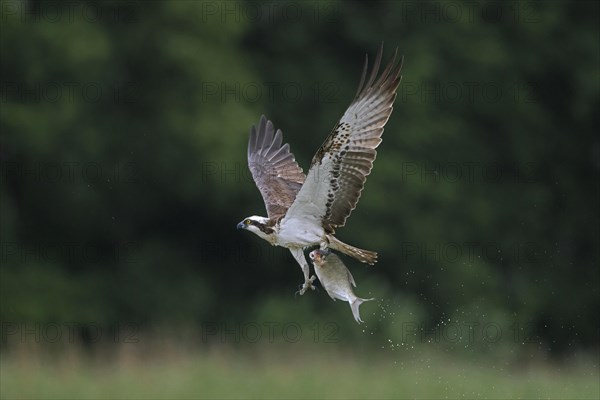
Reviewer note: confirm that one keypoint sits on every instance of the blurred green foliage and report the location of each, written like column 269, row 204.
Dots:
column 124, row 129
column 168, row 370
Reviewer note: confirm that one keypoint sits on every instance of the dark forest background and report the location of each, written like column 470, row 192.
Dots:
column 123, row 152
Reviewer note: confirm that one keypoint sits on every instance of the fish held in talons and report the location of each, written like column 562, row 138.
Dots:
column 336, row 279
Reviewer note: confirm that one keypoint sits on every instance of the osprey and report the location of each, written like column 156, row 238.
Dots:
column 305, row 211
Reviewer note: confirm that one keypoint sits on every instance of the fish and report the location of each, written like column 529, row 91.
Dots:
column 336, row 279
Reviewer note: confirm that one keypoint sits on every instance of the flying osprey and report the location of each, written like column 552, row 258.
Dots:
column 304, row 211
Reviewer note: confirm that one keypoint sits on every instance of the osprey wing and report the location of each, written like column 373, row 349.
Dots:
column 274, row 168
column 340, row 167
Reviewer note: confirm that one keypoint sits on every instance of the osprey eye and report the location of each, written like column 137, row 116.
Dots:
column 248, row 222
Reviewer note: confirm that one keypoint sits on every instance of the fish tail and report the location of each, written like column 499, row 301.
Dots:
column 355, row 308
column 365, row 256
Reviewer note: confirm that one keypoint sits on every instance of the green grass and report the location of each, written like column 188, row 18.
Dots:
column 166, row 371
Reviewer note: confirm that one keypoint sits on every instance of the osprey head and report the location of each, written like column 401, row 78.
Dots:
column 261, row 226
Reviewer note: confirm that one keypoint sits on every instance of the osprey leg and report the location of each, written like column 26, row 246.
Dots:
column 301, row 259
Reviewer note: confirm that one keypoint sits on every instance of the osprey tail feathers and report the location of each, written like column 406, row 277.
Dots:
column 365, row 256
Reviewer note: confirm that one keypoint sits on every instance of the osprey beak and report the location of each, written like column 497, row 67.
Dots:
column 241, row 225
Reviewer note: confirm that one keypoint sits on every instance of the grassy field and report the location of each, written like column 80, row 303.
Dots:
column 166, row 371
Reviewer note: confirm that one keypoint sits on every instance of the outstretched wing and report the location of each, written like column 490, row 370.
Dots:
column 274, row 169
column 340, row 167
